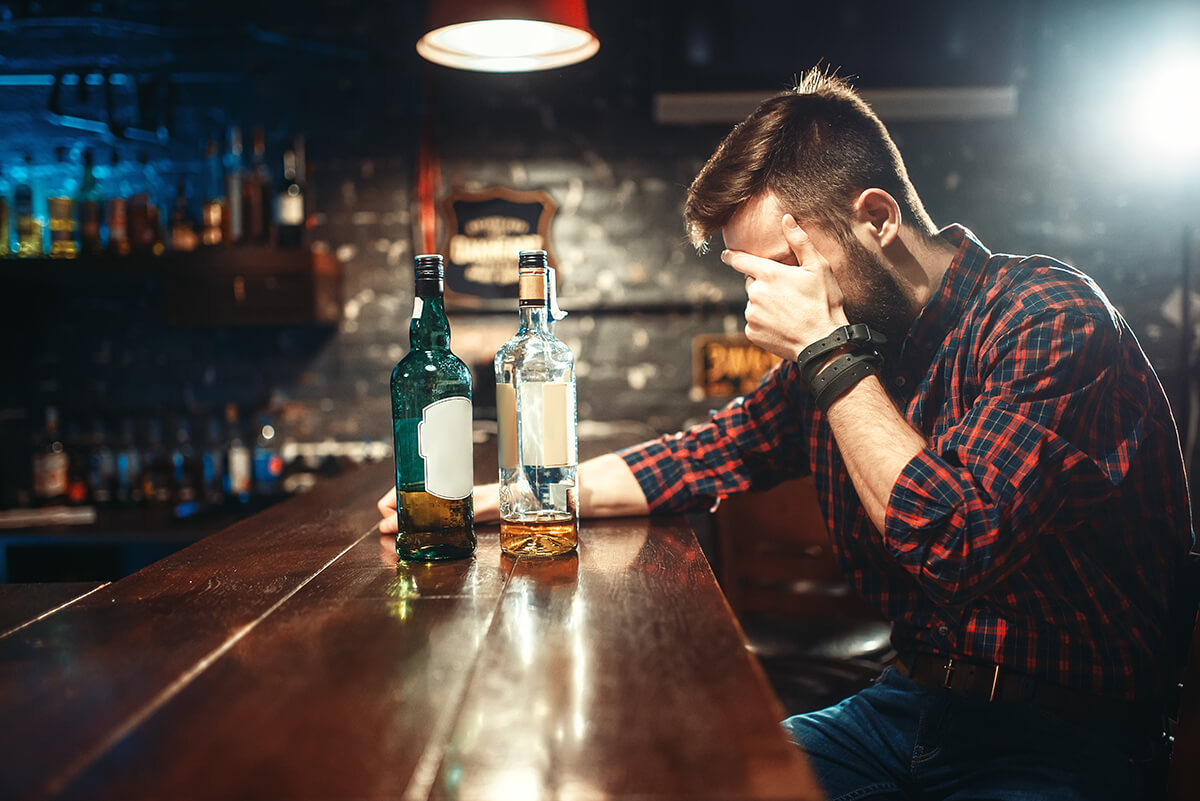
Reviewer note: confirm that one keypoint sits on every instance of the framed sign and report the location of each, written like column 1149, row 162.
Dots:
column 484, row 233
column 724, row 365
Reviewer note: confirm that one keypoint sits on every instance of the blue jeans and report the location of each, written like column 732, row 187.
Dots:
column 899, row 740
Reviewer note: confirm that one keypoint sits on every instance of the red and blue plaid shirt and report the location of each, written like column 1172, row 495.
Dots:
column 1043, row 525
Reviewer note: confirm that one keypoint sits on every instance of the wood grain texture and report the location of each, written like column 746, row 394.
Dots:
column 293, row 656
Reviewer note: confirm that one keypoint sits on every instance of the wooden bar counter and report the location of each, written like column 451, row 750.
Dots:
column 291, row 656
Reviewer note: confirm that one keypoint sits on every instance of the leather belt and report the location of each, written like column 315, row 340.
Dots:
column 991, row 682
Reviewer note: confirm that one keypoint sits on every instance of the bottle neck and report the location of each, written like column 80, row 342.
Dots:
column 429, row 329
column 535, row 318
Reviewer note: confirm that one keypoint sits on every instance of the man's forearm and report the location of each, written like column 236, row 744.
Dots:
column 607, row 488
column 876, row 442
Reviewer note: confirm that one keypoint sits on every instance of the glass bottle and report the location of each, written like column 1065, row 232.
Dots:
column 431, row 423
column 5, row 229
column 61, row 205
column 212, row 223
column 538, row 442
column 256, row 193
column 117, row 207
column 234, row 169
column 88, row 206
column 289, row 205
column 268, row 462
column 239, row 475
column 50, row 464
column 29, row 228
column 183, row 227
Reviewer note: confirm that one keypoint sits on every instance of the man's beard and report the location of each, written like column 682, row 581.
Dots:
column 872, row 295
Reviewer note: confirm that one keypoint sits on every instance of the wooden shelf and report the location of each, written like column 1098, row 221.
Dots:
column 222, row 286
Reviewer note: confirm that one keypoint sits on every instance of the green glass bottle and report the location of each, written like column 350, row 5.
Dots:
column 431, row 422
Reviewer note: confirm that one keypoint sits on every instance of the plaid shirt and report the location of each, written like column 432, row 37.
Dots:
column 1041, row 528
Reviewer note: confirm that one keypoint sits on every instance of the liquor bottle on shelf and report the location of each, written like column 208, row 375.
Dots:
column 238, row 468
column 538, row 443
column 431, row 424
column 61, row 205
column 234, row 177
column 89, row 207
column 213, row 224
column 213, row 460
column 145, row 209
column 289, row 205
column 102, row 465
column 50, row 464
column 77, row 464
column 268, row 463
column 5, row 215
column 128, row 490
column 187, row 472
column 29, row 227
column 257, row 193
column 117, row 207
column 156, row 465
column 183, row 225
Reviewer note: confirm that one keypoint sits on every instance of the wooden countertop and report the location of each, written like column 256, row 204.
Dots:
column 291, row 656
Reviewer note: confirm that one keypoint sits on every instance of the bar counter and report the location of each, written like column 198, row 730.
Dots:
column 291, row 656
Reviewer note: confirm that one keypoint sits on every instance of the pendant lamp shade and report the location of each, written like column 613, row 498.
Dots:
column 507, row 35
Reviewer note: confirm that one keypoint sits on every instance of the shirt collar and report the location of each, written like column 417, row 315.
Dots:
column 958, row 286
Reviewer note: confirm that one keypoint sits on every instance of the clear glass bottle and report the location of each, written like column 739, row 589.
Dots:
column 290, row 204
column 538, row 441
column 5, row 223
column 431, row 423
column 29, row 227
column 212, row 221
column 234, row 177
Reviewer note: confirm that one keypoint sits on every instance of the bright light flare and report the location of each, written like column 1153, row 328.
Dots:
column 507, row 45
column 1162, row 111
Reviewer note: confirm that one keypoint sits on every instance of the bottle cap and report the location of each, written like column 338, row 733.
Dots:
column 533, row 270
column 429, row 270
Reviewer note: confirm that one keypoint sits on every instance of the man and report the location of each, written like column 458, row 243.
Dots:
column 1001, row 477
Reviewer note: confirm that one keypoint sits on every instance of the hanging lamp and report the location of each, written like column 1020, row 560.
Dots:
column 507, row 35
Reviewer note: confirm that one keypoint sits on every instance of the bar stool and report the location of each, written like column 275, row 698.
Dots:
column 817, row 641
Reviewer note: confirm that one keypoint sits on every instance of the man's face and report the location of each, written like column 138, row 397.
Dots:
column 870, row 291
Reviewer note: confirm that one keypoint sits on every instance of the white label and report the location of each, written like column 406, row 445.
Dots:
column 444, row 442
column 553, row 443
column 418, row 305
column 506, row 418
column 50, row 475
column 291, row 209
column 239, row 470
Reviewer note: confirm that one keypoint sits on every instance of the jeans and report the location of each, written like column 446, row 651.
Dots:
column 899, row 740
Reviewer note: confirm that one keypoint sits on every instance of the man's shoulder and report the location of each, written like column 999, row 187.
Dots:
column 1042, row 286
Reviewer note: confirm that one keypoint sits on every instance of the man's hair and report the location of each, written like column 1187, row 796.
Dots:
column 816, row 147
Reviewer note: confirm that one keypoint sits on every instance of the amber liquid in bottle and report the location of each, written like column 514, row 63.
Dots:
column 431, row 419
column 538, row 444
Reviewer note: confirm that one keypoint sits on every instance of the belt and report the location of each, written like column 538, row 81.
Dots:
column 990, row 682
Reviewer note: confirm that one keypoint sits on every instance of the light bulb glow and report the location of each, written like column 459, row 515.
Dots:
column 507, row 45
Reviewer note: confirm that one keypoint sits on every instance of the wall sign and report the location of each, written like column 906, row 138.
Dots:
column 484, row 233
column 724, row 365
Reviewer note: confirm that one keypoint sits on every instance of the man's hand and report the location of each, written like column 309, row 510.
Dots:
column 789, row 307
column 486, row 502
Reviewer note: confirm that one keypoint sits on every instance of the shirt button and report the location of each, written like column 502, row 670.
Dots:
column 944, row 630
column 899, row 381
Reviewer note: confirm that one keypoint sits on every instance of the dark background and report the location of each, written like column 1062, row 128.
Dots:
column 1058, row 177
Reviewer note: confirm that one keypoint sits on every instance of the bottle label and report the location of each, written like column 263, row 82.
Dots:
column 418, row 307
column 444, row 443
column 506, row 417
column 291, row 209
column 238, row 470
column 50, row 475
column 551, row 443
